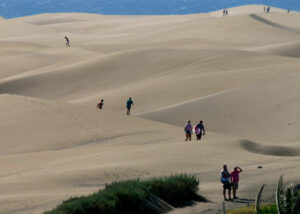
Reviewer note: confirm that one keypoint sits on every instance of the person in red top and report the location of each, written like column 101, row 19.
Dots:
column 235, row 180
column 100, row 105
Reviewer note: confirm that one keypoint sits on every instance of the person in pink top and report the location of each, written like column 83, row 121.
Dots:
column 235, row 180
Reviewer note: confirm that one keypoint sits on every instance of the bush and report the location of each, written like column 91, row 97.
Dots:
column 135, row 196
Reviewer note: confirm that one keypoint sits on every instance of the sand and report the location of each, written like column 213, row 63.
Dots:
column 239, row 74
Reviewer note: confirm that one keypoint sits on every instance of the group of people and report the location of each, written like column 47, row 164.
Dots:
column 267, row 9
column 230, row 181
column 225, row 12
column 129, row 103
column 198, row 129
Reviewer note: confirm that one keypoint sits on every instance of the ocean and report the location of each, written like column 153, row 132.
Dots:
column 18, row 8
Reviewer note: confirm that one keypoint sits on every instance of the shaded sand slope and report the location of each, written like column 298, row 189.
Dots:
column 285, row 49
column 240, row 74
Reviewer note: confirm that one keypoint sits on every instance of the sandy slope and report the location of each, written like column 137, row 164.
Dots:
column 240, row 74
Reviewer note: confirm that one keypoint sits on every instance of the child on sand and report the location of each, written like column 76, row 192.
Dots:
column 188, row 131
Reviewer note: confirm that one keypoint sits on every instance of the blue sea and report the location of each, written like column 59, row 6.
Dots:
column 17, row 8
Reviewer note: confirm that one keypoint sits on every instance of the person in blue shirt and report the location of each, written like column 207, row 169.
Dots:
column 128, row 105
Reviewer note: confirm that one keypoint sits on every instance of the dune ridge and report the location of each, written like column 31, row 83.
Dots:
column 239, row 74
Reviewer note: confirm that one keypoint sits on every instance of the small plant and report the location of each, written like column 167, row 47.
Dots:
column 287, row 201
column 258, row 199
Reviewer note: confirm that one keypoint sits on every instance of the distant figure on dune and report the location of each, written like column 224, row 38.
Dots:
column 268, row 10
column 128, row 105
column 200, row 130
column 225, row 180
column 67, row 41
column 288, row 11
column 225, row 12
column 188, row 131
column 235, row 180
column 264, row 9
column 100, row 105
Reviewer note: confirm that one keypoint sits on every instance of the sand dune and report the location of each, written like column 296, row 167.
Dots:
column 240, row 74
column 248, row 9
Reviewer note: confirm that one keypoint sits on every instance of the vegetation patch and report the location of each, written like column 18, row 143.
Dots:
column 265, row 209
column 134, row 196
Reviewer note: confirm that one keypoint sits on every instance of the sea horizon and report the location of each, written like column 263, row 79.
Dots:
column 20, row 8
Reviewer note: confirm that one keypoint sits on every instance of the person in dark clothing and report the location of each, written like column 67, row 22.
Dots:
column 200, row 130
column 128, row 105
column 100, row 105
column 225, row 180
column 67, row 41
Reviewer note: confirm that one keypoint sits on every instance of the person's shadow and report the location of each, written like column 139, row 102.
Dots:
column 244, row 200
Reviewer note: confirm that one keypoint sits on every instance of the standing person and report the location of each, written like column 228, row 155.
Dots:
column 128, row 105
column 200, row 130
column 188, row 131
column 235, row 180
column 67, row 41
column 264, row 9
column 100, row 105
column 225, row 180
column 224, row 12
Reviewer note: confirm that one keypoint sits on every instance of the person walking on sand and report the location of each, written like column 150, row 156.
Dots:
column 100, row 105
column 67, row 41
column 188, row 131
column 128, row 105
column 235, row 180
column 199, row 130
column 225, row 180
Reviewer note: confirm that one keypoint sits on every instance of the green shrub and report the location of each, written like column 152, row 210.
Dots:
column 135, row 196
column 269, row 209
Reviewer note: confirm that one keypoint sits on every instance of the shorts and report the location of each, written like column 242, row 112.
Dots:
column 235, row 185
column 128, row 107
column 227, row 185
